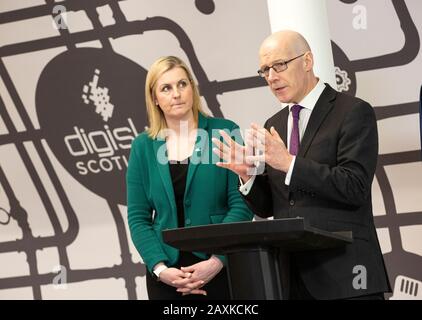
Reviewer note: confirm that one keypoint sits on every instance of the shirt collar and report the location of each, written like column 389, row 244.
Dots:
column 311, row 99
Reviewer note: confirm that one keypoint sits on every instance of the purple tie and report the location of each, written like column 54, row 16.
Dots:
column 294, row 137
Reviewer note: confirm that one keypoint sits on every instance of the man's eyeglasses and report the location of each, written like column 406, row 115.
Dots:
column 277, row 67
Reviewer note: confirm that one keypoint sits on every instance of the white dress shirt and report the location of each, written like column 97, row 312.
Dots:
column 308, row 103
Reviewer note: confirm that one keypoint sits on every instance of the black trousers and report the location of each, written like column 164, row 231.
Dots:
column 298, row 290
column 217, row 288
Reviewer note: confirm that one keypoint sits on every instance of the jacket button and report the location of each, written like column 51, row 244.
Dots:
column 188, row 222
column 187, row 203
column 292, row 202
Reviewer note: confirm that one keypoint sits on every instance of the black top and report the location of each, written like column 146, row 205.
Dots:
column 218, row 288
column 179, row 172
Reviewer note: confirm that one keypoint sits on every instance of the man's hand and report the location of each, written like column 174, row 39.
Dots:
column 272, row 147
column 234, row 156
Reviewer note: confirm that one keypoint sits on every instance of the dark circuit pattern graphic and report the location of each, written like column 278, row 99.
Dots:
column 70, row 90
column 87, row 107
column 399, row 262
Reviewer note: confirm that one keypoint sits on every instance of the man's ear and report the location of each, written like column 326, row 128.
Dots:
column 309, row 61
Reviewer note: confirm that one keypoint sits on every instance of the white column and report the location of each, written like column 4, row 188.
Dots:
column 308, row 17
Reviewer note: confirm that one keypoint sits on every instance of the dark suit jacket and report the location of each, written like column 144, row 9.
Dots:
column 331, row 187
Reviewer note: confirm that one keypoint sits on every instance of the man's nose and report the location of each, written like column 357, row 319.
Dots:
column 272, row 75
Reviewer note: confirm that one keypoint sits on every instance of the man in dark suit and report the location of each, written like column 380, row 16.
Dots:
column 320, row 154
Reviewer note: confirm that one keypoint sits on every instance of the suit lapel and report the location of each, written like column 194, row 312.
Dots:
column 160, row 151
column 282, row 125
column 200, row 150
column 323, row 106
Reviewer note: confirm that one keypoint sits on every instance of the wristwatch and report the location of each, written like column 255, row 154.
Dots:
column 158, row 270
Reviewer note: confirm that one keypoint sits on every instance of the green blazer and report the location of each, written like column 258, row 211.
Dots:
column 211, row 194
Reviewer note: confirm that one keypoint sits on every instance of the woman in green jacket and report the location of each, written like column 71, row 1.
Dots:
column 172, row 181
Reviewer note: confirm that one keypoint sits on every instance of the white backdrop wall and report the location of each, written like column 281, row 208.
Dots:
column 63, row 227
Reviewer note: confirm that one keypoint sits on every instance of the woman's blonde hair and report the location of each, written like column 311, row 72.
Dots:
column 156, row 119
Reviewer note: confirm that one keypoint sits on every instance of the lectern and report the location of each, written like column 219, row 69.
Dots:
column 257, row 251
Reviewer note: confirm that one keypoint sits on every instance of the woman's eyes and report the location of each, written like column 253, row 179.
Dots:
column 182, row 84
column 165, row 88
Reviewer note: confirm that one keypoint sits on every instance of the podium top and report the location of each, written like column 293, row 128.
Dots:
column 291, row 234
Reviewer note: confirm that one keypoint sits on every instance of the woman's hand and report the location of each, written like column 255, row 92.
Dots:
column 179, row 279
column 170, row 275
column 201, row 273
